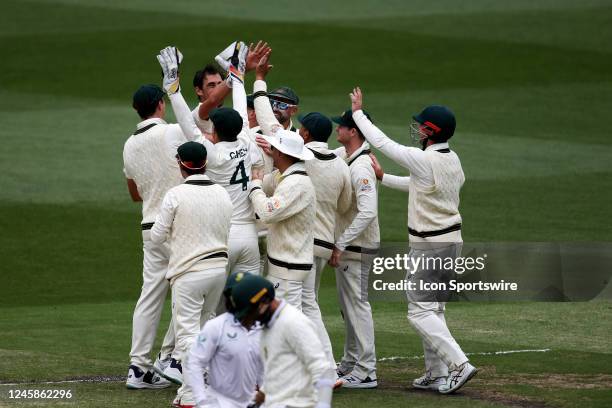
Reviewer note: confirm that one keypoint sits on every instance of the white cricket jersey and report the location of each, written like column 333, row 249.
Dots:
column 230, row 354
column 205, row 125
column 195, row 220
column 436, row 178
column 149, row 159
column 290, row 213
column 358, row 228
column 293, row 358
column 229, row 165
column 331, row 178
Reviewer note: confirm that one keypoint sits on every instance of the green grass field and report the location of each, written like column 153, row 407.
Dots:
column 529, row 81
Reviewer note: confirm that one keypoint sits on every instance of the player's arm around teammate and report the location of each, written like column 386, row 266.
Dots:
column 401, row 183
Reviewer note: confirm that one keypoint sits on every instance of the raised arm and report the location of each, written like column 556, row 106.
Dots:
column 169, row 59
column 409, row 157
column 251, row 56
column 265, row 116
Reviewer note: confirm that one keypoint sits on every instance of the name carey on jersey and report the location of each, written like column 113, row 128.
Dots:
column 238, row 154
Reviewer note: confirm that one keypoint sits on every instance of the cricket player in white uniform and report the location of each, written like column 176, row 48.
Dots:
column 195, row 220
column 434, row 226
column 330, row 177
column 228, row 354
column 296, row 370
column 286, row 201
column 231, row 156
column 151, row 170
column 358, row 238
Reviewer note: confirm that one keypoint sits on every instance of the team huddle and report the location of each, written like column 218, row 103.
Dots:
column 241, row 214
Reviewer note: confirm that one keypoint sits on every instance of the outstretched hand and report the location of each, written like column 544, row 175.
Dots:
column 256, row 53
column 356, row 99
column 263, row 67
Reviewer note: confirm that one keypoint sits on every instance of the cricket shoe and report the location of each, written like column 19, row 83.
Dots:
column 427, row 382
column 350, row 381
column 174, row 372
column 457, row 378
column 137, row 379
column 160, row 364
column 176, row 402
column 342, row 371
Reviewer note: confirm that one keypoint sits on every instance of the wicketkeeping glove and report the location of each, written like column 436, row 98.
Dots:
column 238, row 62
column 170, row 59
column 223, row 59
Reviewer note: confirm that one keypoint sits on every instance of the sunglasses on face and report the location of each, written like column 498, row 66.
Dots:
column 280, row 105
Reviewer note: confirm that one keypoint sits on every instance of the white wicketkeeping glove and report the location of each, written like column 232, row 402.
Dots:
column 170, row 59
column 223, row 59
column 238, row 63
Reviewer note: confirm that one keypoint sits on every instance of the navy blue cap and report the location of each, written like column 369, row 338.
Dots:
column 346, row 119
column 319, row 126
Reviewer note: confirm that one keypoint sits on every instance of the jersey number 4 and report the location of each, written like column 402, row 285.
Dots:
column 244, row 179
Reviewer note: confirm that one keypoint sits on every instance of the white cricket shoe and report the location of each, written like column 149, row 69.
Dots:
column 160, row 364
column 137, row 379
column 427, row 382
column 174, row 372
column 457, row 378
column 350, row 381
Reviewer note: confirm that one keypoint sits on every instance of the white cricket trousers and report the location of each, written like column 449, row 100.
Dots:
column 243, row 249
column 195, row 296
column 148, row 310
column 359, row 351
column 301, row 294
column 319, row 264
column 442, row 353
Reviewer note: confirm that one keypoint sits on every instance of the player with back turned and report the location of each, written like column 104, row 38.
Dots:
column 434, row 227
column 151, row 170
column 195, row 221
column 231, row 154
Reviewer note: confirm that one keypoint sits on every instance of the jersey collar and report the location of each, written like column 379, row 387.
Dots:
column 146, row 122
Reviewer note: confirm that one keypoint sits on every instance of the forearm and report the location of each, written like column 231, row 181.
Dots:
column 396, row 182
column 402, row 155
column 239, row 103
column 263, row 110
column 215, row 98
column 361, row 221
column 184, row 118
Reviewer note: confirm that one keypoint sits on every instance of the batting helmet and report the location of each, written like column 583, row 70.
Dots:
column 436, row 123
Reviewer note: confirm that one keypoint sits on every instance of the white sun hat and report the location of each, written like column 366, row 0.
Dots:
column 290, row 143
